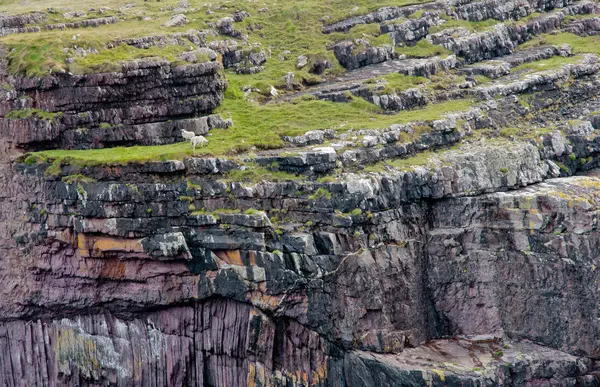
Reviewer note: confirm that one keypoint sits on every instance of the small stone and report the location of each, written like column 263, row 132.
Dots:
column 289, row 81
column 177, row 21
column 240, row 16
column 302, row 61
column 320, row 66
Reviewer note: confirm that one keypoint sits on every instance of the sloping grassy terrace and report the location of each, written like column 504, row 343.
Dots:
column 261, row 127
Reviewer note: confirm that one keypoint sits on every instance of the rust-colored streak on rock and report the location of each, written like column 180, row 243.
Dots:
column 113, row 268
column 231, row 257
column 252, row 258
column 93, row 246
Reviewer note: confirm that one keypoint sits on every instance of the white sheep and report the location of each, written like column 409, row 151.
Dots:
column 187, row 135
column 198, row 140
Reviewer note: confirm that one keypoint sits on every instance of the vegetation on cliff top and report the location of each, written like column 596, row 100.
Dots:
column 279, row 26
column 284, row 29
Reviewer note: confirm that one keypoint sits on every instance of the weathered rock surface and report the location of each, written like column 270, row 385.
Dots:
column 584, row 27
column 255, row 305
column 177, row 21
column 501, row 66
column 83, row 23
column 225, row 27
column 16, row 24
column 502, row 39
column 381, row 15
column 245, row 60
column 160, row 293
column 411, row 31
column 473, row 264
column 504, row 10
column 589, row 65
column 197, row 37
column 353, row 55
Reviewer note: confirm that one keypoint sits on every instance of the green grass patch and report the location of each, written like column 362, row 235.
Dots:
column 254, row 174
column 423, row 49
column 39, row 54
column 407, row 164
column 320, row 193
column 29, row 113
column 36, row 59
column 579, row 44
column 114, row 156
column 78, row 178
column 547, row 64
column 356, row 212
column 18, row 6
column 395, row 82
column 482, row 79
column 469, row 25
column 509, row 132
column 261, row 127
column 110, row 60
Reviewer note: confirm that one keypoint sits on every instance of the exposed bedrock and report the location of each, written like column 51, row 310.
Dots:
column 125, row 283
column 16, row 24
column 587, row 66
column 584, row 27
column 83, row 23
column 383, row 14
column 561, row 318
column 465, row 10
column 473, row 263
column 221, row 342
column 411, row 31
column 217, row 342
column 131, row 106
column 499, row 67
column 128, row 284
column 502, row 39
column 197, row 37
column 505, row 10
column 17, row 21
column 355, row 54
column 245, row 60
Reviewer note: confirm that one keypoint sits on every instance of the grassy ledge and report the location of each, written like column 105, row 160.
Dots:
column 258, row 127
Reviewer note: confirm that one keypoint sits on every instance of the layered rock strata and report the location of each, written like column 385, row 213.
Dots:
column 474, row 263
column 147, row 102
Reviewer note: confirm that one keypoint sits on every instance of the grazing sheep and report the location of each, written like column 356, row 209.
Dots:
column 198, row 140
column 187, row 135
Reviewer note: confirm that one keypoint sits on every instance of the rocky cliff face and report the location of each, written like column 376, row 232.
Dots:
column 126, row 284
column 455, row 251
column 134, row 106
